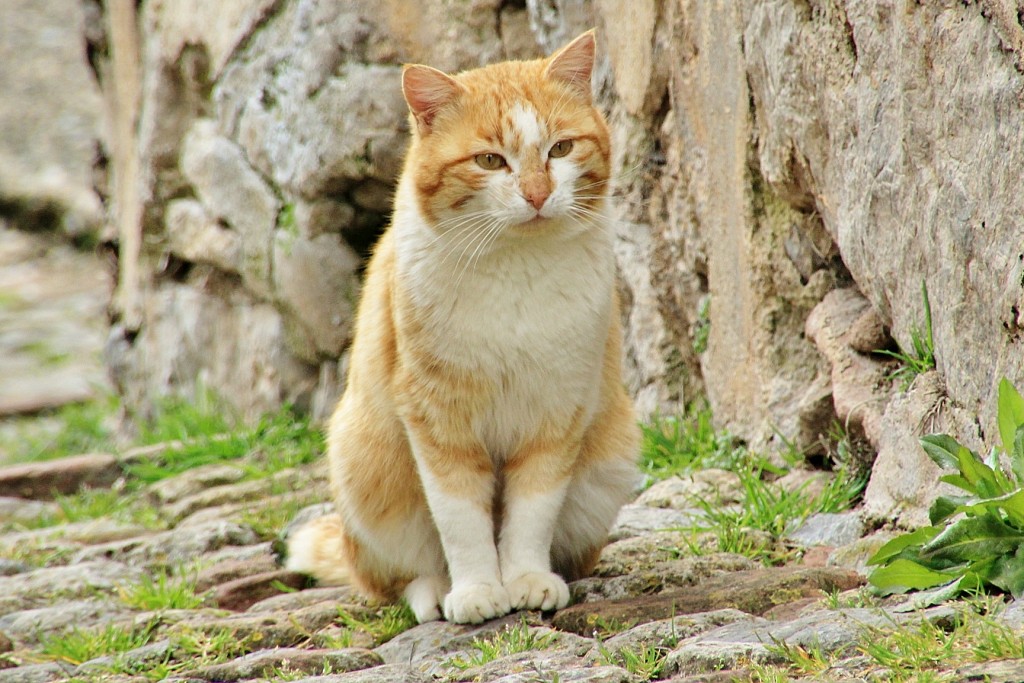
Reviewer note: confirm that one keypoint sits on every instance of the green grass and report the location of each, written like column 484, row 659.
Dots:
column 80, row 645
column 382, row 625
column 672, row 445
column 72, row 430
column 920, row 357
column 645, row 662
column 756, row 524
column 164, row 590
column 510, row 640
column 278, row 441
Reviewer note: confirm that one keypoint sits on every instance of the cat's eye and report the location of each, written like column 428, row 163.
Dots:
column 560, row 149
column 489, row 161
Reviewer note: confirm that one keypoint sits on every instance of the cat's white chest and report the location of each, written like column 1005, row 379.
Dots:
column 533, row 319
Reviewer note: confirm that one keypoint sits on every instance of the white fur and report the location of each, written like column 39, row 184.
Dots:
column 525, row 550
column 525, row 120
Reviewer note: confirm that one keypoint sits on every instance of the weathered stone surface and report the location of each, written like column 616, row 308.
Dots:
column 634, row 520
column 657, row 577
column 829, row 529
column 195, row 481
column 399, row 673
column 138, row 658
column 287, row 602
column 51, row 119
column 63, row 476
column 36, row 673
column 666, row 633
column 172, row 548
column 1005, row 671
column 20, row 511
column 232, row 570
column 52, row 323
column 288, row 661
column 682, row 493
column 31, row 589
column 831, row 631
column 753, row 591
column 240, row 594
column 435, row 638
column 904, row 480
column 256, row 631
column 29, row 626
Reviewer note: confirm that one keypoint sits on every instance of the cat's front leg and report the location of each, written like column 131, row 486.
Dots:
column 535, row 488
column 459, row 484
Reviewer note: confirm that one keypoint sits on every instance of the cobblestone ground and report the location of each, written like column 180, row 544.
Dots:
column 652, row 611
column 53, row 300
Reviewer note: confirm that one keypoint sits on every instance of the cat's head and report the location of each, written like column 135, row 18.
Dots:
column 512, row 146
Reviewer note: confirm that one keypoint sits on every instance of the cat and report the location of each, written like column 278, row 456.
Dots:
column 484, row 442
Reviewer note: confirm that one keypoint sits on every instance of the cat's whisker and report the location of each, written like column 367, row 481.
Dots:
column 466, row 240
column 489, row 234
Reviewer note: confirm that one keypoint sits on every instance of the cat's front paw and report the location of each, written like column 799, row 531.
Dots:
column 538, row 590
column 476, row 602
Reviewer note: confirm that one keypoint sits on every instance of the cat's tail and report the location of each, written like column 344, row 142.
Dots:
column 317, row 548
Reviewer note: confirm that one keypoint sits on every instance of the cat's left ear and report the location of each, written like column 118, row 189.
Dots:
column 574, row 64
column 427, row 91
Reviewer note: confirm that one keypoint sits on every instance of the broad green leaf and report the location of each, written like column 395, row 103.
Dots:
column 978, row 473
column 1017, row 456
column 937, row 596
column 903, row 575
column 1007, row 573
column 945, row 507
column 1010, row 418
column 1011, row 503
column 898, row 544
column 942, row 449
column 973, row 538
column 959, row 482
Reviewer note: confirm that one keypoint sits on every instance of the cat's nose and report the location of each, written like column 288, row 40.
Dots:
column 536, row 189
column 537, row 199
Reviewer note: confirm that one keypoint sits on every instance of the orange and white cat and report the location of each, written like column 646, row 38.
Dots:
column 484, row 442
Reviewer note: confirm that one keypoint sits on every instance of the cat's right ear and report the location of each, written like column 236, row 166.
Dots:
column 427, row 91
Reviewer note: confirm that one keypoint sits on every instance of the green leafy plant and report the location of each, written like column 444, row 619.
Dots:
column 975, row 541
column 80, row 645
column 920, row 358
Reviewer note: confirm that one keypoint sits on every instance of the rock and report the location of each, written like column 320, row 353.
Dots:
column 195, row 481
column 253, row 631
column 317, row 280
column 30, row 625
column 655, row 578
column 830, row 631
column 149, row 655
column 829, row 529
column 62, row 476
column 666, row 633
column 436, row 638
column 634, row 520
column 51, row 124
column 398, row 673
column 859, row 390
column 232, row 570
column 195, row 236
column 34, row 588
column 52, row 325
column 1004, row 671
column 36, row 673
column 682, row 493
column 288, row 661
column 232, row 191
column 904, row 481
column 240, row 594
column 753, row 591
column 288, row 602
column 640, row 552
column 172, row 548
column 21, row 511
column 855, row 555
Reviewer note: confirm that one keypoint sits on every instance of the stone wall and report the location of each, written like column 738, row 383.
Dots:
column 776, row 157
